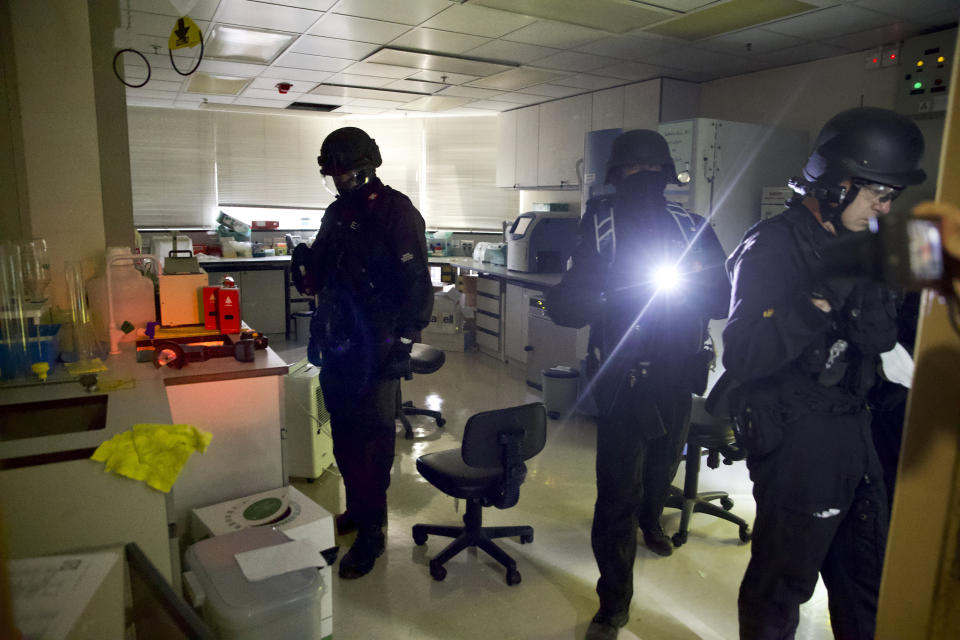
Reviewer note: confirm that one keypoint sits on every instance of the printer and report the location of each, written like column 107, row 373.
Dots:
column 541, row 241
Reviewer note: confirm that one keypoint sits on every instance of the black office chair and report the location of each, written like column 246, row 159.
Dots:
column 715, row 436
column 424, row 359
column 487, row 470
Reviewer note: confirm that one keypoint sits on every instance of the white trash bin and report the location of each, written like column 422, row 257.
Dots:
column 560, row 386
column 282, row 607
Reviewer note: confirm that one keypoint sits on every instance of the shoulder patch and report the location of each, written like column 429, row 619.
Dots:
column 407, row 257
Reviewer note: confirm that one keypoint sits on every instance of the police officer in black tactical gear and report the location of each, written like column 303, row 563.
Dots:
column 803, row 348
column 368, row 268
column 647, row 349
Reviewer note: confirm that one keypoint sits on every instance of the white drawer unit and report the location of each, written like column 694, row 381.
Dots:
column 490, row 315
column 489, row 285
column 488, row 304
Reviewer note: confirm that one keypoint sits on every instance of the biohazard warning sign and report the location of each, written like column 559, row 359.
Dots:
column 185, row 34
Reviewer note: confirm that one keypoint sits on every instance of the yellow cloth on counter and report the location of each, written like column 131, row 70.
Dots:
column 152, row 453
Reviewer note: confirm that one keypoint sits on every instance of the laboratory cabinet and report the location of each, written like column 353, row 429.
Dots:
column 528, row 132
column 507, row 149
column 490, row 313
column 563, row 123
column 516, row 301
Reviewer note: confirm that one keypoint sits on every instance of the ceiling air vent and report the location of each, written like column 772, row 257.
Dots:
column 312, row 106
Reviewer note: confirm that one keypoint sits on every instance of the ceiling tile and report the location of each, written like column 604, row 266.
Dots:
column 158, row 25
column 203, row 10
column 626, row 47
column 494, row 105
column 760, row 40
column 333, row 47
column 515, row 52
column 370, row 102
column 518, row 98
column 873, row 38
column 587, row 81
column 166, row 86
column 218, row 84
column 369, row 111
column 314, row 63
column 316, row 5
column 518, row 78
column 416, row 60
column 372, row 94
column 573, row 61
column 260, row 102
column 470, row 92
column 480, row 21
column 680, row 56
column 270, row 94
column 434, row 103
column 559, row 35
column 825, row 23
column 419, row 86
column 467, row 111
column 551, row 90
column 139, row 72
column 615, row 16
column 803, row 53
column 231, row 68
column 270, row 84
column 357, row 80
column 379, row 70
column 635, row 71
column 322, row 99
column 143, row 101
column 334, row 25
column 912, row 10
column 295, row 75
column 438, row 41
column 266, row 16
column 442, row 76
column 405, row 11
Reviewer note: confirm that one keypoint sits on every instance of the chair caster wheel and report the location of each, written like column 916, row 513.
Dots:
column 441, row 422
column 438, row 573
column 419, row 538
column 726, row 503
column 745, row 535
column 513, row 577
column 678, row 539
column 526, row 538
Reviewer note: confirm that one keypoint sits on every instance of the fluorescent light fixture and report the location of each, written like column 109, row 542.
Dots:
column 363, row 92
column 434, row 103
column 217, row 84
column 434, row 62
column 247, row 45
column 616, row 16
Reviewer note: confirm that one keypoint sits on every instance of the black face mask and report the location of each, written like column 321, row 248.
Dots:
column 643, row 189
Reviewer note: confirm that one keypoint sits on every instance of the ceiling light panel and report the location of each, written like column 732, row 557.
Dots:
column 334, row 47
column 365, row 68
column 614, row 16
column 729, row 16
column 834, row 21
column 514, row 79
column 202, row 10
column 478, row 21
column 246, row 45
column 405, row 11
column 558, row 35
column 515, row 52
column 416, row 85
column 357, row 80
column 436, row 63
column 269, row 16
column 226, row 68
column 361, row 92
column 334, row 25
column 434, row 103
column 470, row 92
column 313, row 63
column 439, row 41
column 201, row 82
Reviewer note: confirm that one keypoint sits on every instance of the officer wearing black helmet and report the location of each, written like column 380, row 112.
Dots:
column 804, row 350
column 368, row 267
column 647, row 349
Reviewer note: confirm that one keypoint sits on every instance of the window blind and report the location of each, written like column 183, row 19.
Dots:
column 460, row 160
column 172, row 168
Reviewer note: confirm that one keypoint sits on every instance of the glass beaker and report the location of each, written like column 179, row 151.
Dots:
column 84, row 346
column 36, row 269
column 14, row 360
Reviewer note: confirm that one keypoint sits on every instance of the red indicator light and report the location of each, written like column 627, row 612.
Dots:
column 893, row 56
column 875, row 60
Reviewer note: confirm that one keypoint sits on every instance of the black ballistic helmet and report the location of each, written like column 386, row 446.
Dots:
column 876, row 145
column 640, row 146
column 348, row 149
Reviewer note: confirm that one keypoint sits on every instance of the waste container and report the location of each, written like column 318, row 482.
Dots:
column 283, row 607
column 559, row 390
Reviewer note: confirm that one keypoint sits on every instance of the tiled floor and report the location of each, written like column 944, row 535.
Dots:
column 691, row 594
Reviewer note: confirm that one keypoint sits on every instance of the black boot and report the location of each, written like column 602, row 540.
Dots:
column 361, row 557
column 345, row 524
column 605, row 626
column 657, row 541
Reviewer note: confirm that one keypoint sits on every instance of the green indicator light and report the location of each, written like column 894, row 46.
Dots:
column 917, row 85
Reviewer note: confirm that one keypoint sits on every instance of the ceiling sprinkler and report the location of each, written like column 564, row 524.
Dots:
column 283, row 87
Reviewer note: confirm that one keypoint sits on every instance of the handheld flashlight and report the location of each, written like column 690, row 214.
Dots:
column 666, row 277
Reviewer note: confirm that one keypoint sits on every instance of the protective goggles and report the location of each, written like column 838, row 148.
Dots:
column 879, row 192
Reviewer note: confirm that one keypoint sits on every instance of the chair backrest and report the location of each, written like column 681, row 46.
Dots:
column 485, row 433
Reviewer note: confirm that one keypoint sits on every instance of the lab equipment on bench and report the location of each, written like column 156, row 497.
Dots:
column 494, row 253
column 541, row 241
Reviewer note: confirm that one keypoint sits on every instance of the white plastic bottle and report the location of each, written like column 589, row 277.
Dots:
column 134, row 300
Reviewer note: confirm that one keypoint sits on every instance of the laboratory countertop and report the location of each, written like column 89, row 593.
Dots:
column 142, row 401
column 532, row 280
column 279, row 262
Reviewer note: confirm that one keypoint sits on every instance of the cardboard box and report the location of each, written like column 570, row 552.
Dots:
column 468, row 290
column 446, row 316
column 180, row 298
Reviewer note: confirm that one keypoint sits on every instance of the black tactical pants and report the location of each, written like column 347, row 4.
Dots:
column 821, row 508
column 633, row 480
column 364, row 436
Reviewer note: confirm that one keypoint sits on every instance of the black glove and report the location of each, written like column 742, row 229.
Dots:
column 397, row 363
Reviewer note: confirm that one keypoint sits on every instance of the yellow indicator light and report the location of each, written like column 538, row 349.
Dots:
column 919, row 63
column 941, row 59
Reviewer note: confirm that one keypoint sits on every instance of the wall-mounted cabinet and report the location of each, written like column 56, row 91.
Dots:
column 528, row 131
column 507, row 149
column 563, row 124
